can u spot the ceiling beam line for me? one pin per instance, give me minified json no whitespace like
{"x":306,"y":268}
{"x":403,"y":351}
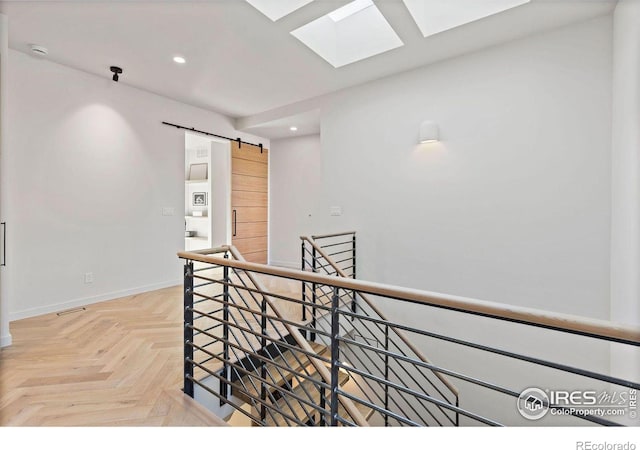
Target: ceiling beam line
{"x":400,"y":20}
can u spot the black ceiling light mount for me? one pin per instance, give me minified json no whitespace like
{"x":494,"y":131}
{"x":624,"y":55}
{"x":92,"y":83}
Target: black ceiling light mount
{"x":116,"y":72}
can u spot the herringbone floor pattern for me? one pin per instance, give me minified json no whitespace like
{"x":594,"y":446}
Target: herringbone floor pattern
{"x":118,"y":363}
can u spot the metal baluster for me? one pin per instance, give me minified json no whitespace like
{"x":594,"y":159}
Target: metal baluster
{"x":353,"y":304}
{"x":188,"y":331}
{"x":323,"y":419}
{"x":263,"y":366}
{"x":335,"y":355}
{"x":224,"y":387}
{"x":314,"y":294}
{"x":304,"y":285}
{"x":386,"y":374}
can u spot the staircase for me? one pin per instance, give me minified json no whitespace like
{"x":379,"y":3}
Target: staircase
{"x":293,"y":395}
{"x":263,"y":345}
{"x":276,"y":347}
{"x":291,"y":402}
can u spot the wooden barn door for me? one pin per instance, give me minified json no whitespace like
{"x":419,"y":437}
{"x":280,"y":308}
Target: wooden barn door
{"x":249,"y":201}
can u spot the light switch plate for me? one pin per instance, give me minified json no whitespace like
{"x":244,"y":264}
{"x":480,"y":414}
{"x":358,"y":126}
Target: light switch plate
{"x":336,"y":211}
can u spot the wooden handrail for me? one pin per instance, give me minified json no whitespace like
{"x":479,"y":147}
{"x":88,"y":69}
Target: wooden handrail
{"x":563,"y":322}
{"x":355,"y":414}
{"x":323,"y":236}
{"x":445,"y":380}
{"x":212,"y":251}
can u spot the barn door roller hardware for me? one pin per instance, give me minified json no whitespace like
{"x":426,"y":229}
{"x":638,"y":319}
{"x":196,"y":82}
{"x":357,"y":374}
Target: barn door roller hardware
{"x":238,"y":140}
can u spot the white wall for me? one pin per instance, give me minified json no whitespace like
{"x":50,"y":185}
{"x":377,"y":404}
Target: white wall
{"x":5,"y":336}
{"x":625,"y":232}
{"x":295,"y":172}
{"x":89,"y":169}
{"x":513,"y":205}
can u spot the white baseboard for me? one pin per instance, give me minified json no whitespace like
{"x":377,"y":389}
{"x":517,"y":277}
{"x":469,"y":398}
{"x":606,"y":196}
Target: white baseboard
{"x":32,"y":312}
{"x":286,"y":264}
{"x":5,"y":341}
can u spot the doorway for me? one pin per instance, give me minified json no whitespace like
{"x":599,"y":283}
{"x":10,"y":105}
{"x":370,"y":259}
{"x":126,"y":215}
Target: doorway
{"x":207,"y":192}
{"x":250,"y":201}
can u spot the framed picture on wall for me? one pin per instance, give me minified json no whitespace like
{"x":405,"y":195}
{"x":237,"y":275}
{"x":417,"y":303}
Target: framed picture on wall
{"x":198,"y":171}
{"x":199,"y":199}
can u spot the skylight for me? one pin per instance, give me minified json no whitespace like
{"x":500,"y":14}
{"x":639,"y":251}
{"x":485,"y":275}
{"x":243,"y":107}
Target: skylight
{"x":276,"y":9}
{"x":436,"y":16}
{"x":350,"y":9}
{"x":351,"y":33}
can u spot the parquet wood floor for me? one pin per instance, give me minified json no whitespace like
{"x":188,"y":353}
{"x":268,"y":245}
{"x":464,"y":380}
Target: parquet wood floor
{"x":118,"y":363}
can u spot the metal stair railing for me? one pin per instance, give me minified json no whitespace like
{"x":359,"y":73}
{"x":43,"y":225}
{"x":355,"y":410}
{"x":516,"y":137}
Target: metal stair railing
{"x":318,"y":253}
{"x":251,"y":334}
{"x":387,"y":384}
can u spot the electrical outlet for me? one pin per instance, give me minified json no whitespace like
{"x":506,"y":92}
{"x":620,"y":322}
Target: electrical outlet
{"x":88,"y":277}
{"x":335,"y":211}
{"x":168,"y":211}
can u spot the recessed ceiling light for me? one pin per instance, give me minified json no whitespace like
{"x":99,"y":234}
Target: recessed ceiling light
{"x":293,"y":128}
{"x":179,"y":59}
{"x":349,"y":9}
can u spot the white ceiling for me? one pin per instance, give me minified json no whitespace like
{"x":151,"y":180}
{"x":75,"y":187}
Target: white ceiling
{"x":436,"y":16}
{"x":241,"y":63}
{"x":306,"y":122}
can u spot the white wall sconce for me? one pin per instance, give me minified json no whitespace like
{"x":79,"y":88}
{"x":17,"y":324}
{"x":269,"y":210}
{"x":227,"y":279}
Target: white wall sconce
{"x":429,"y":132}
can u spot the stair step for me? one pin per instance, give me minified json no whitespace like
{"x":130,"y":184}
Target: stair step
{"x":363,"y":409}
{"x":295,"y":408}
{"x":295,"y":361}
